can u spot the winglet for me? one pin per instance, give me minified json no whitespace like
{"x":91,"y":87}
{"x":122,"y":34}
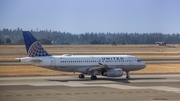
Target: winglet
{"x":33,"y":47}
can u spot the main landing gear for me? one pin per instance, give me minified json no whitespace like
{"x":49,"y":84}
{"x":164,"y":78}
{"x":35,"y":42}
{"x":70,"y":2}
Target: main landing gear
{"x":81,"y":76}
{"x":93,"y":77}
{"x":127,"y":75}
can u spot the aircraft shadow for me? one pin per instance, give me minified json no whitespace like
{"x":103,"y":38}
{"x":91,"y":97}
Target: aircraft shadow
{"x":120,"y":80}
{"x":147,"y":78}
{"x":99,"y":79}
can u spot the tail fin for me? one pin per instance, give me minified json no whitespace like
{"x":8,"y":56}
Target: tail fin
{"x":33,"y":47}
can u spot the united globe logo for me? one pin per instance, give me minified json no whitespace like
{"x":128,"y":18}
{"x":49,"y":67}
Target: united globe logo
{"x":36,"y":50}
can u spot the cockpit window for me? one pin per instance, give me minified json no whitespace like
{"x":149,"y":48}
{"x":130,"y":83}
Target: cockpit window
{"x":138,"y":60}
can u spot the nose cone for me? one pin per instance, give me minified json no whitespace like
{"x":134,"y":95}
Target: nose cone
{"x":143,"y":64}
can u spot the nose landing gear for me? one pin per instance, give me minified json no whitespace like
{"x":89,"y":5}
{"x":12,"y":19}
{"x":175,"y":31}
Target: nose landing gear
{"x":127,"y":75}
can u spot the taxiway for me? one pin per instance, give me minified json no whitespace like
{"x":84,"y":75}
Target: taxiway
{"x":70,"y":88}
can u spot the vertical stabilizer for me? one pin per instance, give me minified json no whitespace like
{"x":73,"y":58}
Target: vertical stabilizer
{"x":33,"y":47}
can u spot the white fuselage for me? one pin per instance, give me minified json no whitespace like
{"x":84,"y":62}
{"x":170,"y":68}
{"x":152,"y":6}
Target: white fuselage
{"x":79,"y":63}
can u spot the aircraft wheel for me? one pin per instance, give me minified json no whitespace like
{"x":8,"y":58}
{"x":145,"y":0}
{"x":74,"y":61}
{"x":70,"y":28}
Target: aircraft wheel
{"x":93,"y":77}
{"x":127,"y":77}
{"x":81,"y":76}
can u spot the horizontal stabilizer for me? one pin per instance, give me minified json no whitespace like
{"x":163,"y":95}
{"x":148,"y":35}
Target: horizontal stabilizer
{"x":35,"y":60}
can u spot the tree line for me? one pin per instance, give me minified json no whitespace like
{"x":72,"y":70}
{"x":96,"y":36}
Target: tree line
{"x":9,"y":36}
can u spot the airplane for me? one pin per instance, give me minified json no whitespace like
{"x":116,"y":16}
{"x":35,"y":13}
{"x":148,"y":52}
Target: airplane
{"x":105,"y":65}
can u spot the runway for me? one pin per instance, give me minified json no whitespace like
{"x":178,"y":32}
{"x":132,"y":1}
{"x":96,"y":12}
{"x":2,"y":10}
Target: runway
{"x":71,"y":88}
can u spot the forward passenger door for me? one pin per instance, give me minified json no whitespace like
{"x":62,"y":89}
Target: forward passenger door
{"x":131,"y":61}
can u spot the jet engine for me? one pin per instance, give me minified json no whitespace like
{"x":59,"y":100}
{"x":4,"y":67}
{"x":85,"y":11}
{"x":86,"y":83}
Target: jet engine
{"x":113,"y":72}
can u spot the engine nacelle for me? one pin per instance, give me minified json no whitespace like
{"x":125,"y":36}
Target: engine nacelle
{"x":114,"y":72}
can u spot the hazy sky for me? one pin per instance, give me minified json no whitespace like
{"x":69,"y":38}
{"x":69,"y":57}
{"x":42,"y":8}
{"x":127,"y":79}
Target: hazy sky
{"x":80,"y":16}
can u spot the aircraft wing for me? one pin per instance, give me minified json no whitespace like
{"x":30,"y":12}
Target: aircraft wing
{"x":101,"y":66}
